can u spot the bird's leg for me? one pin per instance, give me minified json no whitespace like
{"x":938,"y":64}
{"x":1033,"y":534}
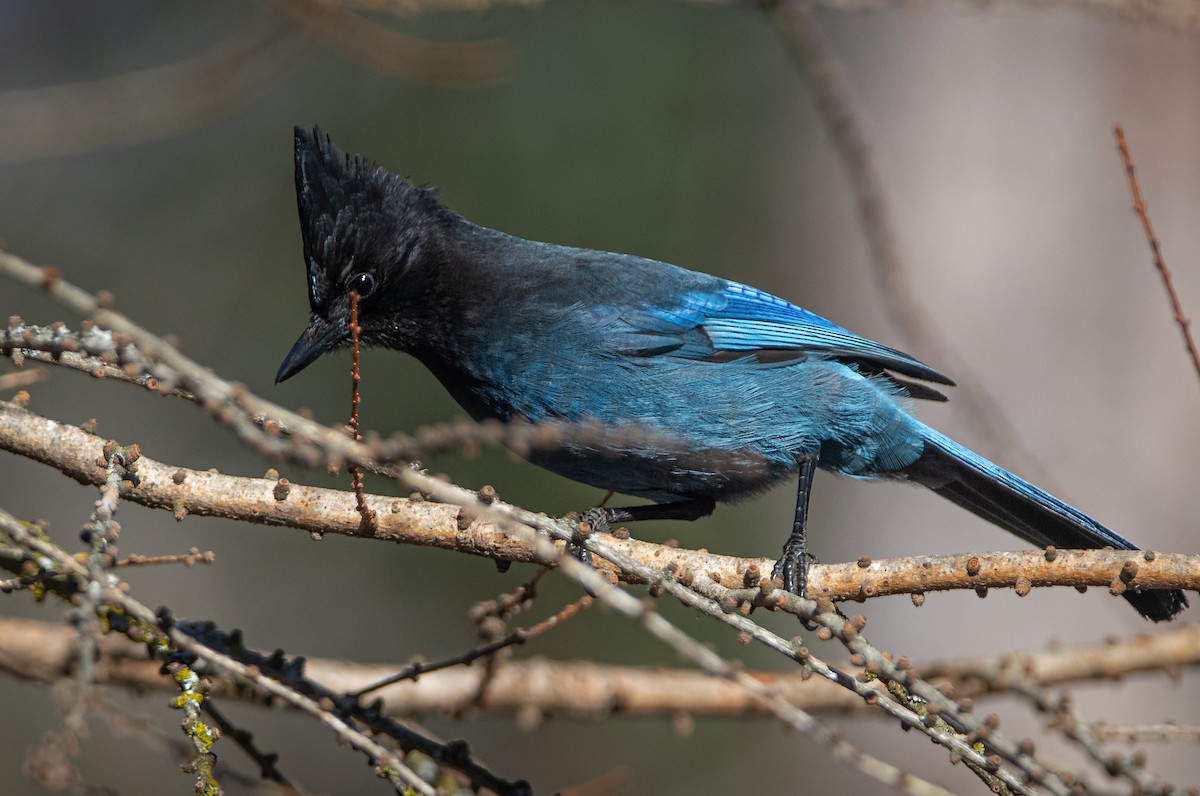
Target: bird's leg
{"x":601,"y":519}
{"x":792,"y":567}
{"x":682,"y":510}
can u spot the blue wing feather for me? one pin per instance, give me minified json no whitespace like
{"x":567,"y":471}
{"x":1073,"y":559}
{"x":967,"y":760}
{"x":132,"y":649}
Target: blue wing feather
{"x":739,"y":320}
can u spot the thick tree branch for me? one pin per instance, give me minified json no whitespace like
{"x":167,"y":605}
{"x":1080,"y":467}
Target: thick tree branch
{"x":536,"y":687}
{"x":274,"y":501}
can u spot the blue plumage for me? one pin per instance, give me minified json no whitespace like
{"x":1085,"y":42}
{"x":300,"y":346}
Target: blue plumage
{"x":671,"y":385}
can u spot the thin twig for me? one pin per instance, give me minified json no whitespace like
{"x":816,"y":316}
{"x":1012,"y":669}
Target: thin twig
{"x":1074,"y":727}
{"x":190,"y":558}
{"x":516,"y":638}
{"x":847,"y":128}
{"x":266,"y":761}
{"x":1179,"y":16}
{"x":23,"y":378}
{"x":72,"y":118}
{"x":1139,"y":207}
{"x":112,"y":594}
{"x":369,"y":519}
{"x":398,"y":54}
{"x":1142,"y":733}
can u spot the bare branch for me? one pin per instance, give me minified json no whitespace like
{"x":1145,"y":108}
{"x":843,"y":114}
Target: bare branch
{"x":1160,"y":264}
{"x":111,"y":594}
{"x":397,"y":54}
{"x":847,"y":128}
{"x":73,"y":118}
{"x":1182,"y":16}
{"x":278,"y":501}
{"x":536,"y":687}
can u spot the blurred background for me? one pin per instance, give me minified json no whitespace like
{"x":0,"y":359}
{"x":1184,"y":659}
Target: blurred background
{"x":672,"y":130}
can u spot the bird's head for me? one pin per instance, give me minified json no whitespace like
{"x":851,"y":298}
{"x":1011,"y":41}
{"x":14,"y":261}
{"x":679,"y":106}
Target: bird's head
{"x":365,"y":230}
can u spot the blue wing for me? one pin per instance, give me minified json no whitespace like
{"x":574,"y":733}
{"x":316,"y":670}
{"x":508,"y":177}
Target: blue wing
{"x":738,"y":322}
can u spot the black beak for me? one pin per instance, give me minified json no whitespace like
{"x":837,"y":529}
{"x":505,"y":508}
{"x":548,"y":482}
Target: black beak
{"x":320,"y":336}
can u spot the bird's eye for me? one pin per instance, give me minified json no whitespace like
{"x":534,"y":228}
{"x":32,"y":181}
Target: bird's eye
{"x":361,"y":283}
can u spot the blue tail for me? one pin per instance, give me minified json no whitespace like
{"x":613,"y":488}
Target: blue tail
{"x":971,"y":481}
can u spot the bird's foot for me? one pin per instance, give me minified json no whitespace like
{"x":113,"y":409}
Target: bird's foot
{"x":792,"y":569}
{"x":594,"y":520}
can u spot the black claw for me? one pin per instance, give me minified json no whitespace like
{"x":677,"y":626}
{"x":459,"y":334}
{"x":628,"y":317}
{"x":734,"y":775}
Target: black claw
{"x":792,"y":569}
{"x":580,"y":553}
{"x":597,"y":520}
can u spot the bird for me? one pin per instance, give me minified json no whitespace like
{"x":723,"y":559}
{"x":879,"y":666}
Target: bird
{"x":689,"y":389}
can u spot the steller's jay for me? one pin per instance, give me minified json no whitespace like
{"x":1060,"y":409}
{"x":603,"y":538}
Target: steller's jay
{"x":717,"y":390}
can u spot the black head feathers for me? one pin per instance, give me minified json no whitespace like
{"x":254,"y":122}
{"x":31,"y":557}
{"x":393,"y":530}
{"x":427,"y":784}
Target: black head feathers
{"x":355,"y":216}
{"x":364,"y":230}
